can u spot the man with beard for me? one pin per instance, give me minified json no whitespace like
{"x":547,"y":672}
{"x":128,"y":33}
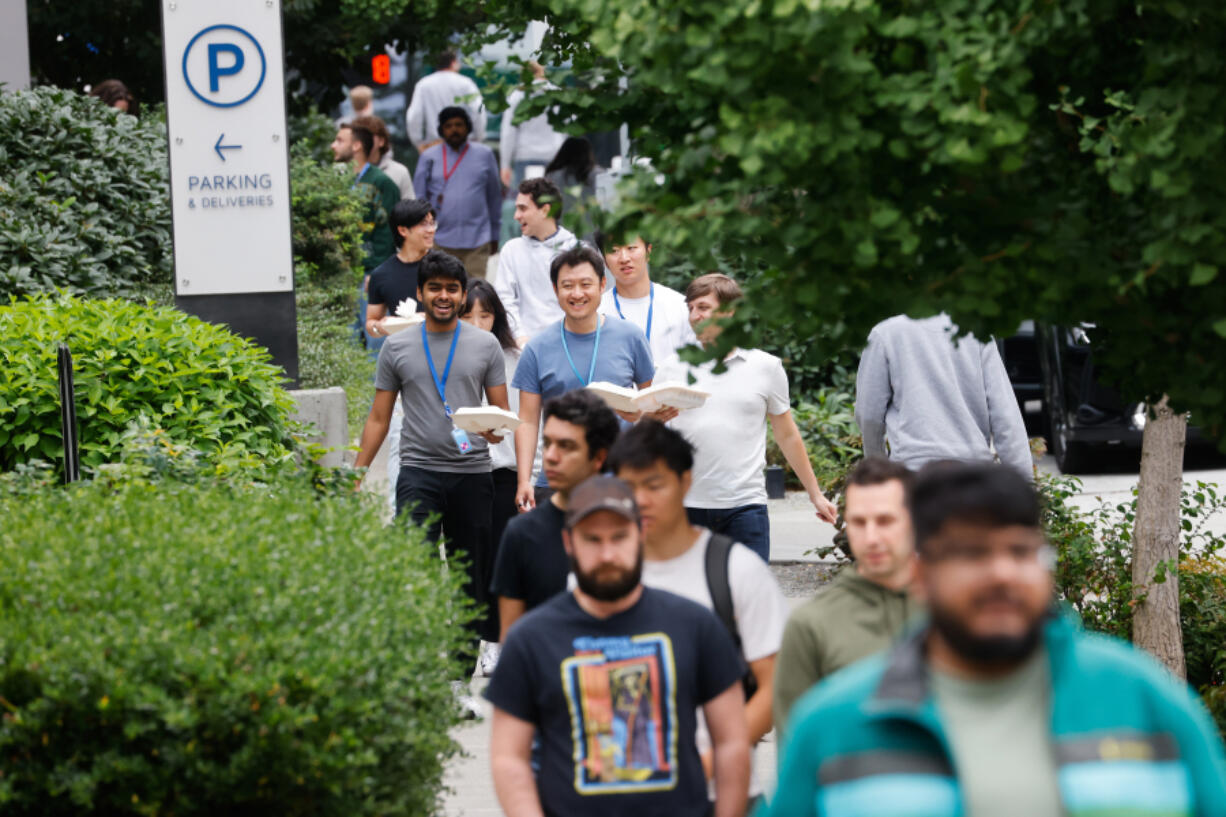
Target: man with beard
{"x":864,"y":609}
{"x":1001,"y":706}
{"x":438,"y":367}
{"x":460,"y":178}
{"x":610,"y":677}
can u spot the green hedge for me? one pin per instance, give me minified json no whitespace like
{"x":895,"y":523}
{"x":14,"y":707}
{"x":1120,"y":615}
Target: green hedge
{"x":200,"y":650}
{"x":201,"y":384}
{"x":84,"y":196}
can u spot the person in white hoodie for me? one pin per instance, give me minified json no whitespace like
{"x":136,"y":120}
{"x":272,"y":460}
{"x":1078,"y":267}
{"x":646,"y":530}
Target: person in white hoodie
{"x":533,"y":141}
{"x":523,"y":281}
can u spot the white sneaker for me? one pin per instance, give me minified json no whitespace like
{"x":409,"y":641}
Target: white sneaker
{"x":470,"y":707}
{"x":488,"y":661}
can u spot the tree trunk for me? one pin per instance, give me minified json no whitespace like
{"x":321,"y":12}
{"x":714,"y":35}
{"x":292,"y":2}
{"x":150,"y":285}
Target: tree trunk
{"x":1155,"y":621}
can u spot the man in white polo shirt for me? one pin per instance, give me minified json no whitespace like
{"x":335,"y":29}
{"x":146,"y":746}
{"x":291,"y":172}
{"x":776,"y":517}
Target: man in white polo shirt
{"x":728,"y":432}
{"x":660,"y":312}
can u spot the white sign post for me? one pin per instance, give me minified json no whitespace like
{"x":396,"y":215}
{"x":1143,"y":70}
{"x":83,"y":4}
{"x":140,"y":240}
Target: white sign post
{"x":229,"y":166}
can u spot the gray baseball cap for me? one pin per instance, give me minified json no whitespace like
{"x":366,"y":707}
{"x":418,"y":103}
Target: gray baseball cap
{"x":601,"y":493}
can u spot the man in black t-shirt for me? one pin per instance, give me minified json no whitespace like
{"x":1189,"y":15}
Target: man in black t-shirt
{"x":395,"y":280}
{"x":610,"y":678}
{"x":531,"y":566}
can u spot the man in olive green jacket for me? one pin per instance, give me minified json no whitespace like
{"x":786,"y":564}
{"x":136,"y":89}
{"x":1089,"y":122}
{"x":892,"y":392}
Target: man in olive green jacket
{"x":864,"y":609}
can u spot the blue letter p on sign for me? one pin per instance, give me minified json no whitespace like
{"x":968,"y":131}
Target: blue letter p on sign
{"x":216,"y":71}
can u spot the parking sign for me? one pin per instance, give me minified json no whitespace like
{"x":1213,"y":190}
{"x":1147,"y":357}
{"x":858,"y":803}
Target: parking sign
{"x":229,"y":165}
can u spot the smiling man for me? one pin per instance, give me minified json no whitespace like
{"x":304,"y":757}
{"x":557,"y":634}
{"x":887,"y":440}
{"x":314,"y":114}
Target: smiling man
{"x":569,"y":354}
{"x":1001,"y":706}
{"x":523,"y":282}
{"x":864,"y":609}
{"x":660,"y":312}
{"x":436,"y":369}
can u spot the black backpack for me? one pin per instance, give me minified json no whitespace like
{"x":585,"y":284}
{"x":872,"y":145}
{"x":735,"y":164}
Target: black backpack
{"x":718,"y":551}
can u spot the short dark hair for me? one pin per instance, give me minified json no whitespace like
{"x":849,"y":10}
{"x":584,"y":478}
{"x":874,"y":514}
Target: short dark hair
{"x":408,"y":213}
{"x":363,"y":135}
{"x":377,"y":128}
{"x":581,"y":253}
{"x":444,"y":59}
{"x":976,"y":492}
{"x":544,"y":193}
{"x":454,"y":112}
{"x":649,"y":442}
{"x":585,"y":409}
{"x":438,"y":264}
{"x":879,"y":470}
{"x":605,"y":242}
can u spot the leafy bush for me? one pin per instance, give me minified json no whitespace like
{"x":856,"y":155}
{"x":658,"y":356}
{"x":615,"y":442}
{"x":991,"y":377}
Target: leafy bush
{"x":327,"y":223}
{"x":310,"y":135}
{"x":328,"y":355}
{"x":1094,"y":574}
{"x":84,"y":197}
{"x":204,"y":650}
{"x":204,"y":386}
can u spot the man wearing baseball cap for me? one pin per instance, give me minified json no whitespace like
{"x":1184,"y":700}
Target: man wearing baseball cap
{"x":610,"y":678}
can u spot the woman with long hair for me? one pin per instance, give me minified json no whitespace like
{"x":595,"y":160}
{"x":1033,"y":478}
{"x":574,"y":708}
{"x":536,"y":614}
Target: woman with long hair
{"x":484,"y":310}
{"x":574,"y":171}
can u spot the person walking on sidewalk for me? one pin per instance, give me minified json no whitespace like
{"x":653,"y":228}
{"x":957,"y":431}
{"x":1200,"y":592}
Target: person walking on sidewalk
{"x":444,"y":479}
{"x":936,"y":396}
{"x":655,"y":462}
{"x":569,"y":354}
{"x":523,"y":281}
{"x":1001,"y":705}
{"x":444,"y":88}
{"x":460,"y":178}
{"x":610,"y":679}
{"x":654,"y":308}
{"x":728,"y":494}
{"x":864,"y":609}
{"x":532,"y":567}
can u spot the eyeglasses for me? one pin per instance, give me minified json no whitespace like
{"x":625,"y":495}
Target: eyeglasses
{"x":1021,"y":554}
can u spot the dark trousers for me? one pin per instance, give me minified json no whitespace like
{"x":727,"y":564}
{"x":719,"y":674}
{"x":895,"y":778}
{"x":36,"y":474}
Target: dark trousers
{"x":505,"y":483}
{"x":461,"y":505}
{"x":749,"y":524}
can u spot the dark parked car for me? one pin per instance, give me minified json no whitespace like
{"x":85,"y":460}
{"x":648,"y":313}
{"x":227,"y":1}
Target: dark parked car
{"x":1052,"y":371}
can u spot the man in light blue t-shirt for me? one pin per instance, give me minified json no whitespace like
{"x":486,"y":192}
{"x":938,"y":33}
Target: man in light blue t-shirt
{"x":581,"y":348}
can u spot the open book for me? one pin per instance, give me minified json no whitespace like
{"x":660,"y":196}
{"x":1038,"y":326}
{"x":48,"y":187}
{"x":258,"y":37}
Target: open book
{"x":672,"y":395}
{"x":395,"y":323}
{"x":476,"y":419}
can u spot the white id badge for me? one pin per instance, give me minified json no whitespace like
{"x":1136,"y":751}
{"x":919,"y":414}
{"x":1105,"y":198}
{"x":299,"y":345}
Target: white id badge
{"x":461,"y":440}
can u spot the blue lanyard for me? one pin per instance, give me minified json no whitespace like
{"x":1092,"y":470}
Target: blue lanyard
{"x":651,"y":307}
{"x":441,"y":385}
{"x":361,"y":173}
{"x":591,"y":372}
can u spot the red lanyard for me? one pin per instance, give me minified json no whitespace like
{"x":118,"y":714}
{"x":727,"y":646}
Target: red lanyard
{"x":447,"y":174}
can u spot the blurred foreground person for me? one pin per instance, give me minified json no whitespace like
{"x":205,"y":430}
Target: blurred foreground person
{"x":610,"y":678}
{"x":1000,"y":706}
{"x":865,"y":608}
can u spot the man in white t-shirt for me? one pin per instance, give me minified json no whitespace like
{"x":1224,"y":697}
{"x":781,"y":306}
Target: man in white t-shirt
{"x":656,"y":462}
{"x":729,"y":431}
{"x":434,"y":92}
{"x":523,"y":283}
{"x":660,"y":312}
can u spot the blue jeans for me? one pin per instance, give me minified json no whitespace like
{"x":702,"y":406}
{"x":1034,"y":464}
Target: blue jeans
{"x":749,"y":524}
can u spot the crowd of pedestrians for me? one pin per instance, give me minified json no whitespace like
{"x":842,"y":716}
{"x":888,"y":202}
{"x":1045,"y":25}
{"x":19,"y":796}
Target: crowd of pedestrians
{"x":638,"y":644}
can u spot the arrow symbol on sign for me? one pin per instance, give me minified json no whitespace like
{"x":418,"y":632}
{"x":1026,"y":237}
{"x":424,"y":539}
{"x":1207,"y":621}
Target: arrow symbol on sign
{"x":219,"y":147}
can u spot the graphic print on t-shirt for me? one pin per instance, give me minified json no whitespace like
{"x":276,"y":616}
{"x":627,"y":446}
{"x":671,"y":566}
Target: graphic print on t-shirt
{"x":622,"y":700}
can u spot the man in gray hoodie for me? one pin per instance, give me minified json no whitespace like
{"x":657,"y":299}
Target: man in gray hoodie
{"x":937,"y":397}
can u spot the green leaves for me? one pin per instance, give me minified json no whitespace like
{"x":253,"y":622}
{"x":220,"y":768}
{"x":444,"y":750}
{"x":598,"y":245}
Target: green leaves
{"x":168,"y":649}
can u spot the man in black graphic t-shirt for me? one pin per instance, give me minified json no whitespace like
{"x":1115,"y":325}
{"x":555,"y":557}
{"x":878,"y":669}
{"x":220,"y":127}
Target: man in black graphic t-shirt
{"x":610,"y":677}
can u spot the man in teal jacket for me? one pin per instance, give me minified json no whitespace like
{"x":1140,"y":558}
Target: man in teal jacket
{"x":999,"y":706}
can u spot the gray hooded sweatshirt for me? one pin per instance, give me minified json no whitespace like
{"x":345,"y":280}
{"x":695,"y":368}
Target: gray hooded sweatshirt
{"x":934,"y":399}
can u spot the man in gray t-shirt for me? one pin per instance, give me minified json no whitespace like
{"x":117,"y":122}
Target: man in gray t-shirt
{"x":438,"y":367}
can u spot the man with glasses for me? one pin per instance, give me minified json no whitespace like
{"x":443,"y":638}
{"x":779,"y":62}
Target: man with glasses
{"x":1000,"y":706}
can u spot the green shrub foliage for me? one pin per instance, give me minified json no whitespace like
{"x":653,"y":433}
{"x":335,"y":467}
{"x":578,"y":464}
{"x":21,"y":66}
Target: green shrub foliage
{"x":84,"y":196}
{"x":203,"y":650}
{"x":203,"y":385}
{"x":328,"y":355}
{"x":327,"y":222}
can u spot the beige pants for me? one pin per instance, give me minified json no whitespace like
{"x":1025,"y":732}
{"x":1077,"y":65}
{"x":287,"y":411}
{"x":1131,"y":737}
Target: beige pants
{"x":475,"y":260}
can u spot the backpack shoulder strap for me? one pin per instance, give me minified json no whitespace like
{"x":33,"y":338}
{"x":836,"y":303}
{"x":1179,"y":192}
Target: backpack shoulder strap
{"x":719,"y":549}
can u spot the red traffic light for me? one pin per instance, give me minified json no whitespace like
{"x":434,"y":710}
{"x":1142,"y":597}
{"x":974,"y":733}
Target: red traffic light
{"x":381,"y":69}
